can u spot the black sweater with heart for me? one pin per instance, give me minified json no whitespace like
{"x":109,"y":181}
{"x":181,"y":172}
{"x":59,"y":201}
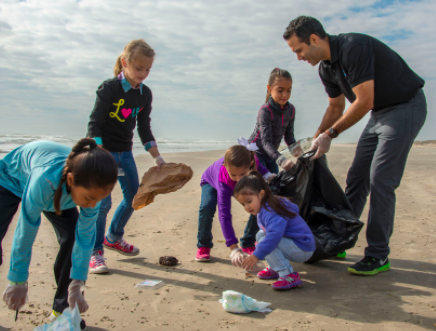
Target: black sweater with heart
{"x":116,"y":113}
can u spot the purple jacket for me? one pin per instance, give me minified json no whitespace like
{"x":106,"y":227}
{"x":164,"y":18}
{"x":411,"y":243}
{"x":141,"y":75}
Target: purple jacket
{"x":218,"y":177}
{"x":276,"y":227}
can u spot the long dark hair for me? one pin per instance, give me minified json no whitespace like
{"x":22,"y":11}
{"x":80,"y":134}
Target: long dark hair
{"x":91,"y":166}
{"x":239,"y":156}
{"x":273,"y":76}
{"x":252,"y":184}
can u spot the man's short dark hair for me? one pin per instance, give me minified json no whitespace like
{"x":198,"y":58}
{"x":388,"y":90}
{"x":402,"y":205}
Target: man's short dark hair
{"x":303,"y":27}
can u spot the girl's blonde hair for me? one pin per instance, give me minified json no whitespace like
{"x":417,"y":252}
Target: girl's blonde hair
{"x":131,"y":50}
{"x":238,"y":156}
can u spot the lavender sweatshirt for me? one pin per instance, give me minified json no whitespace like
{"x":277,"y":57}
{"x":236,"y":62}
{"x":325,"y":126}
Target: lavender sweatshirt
{"x":218,"y":177}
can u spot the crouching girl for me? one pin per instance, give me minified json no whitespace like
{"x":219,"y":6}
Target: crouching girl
{"x":283,"y":234}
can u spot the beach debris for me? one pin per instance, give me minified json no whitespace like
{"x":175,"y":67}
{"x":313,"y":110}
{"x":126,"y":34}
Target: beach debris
{"x":150,"y":284}
{"x":170,"y":178}
{"x":238,"y":303}
{"x":68,"y":321}
{"x":168,"y":261}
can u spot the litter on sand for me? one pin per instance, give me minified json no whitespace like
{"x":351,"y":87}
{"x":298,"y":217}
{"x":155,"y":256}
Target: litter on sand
{"x":68,"y":321}
{"x":238,"y":303}
{"x":150,"y":283}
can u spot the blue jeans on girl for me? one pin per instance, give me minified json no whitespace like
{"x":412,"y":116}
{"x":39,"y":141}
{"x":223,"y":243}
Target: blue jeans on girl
{"x":129,"y":181}
{"x":251,"y":228}
{"x":205,"y":216}
{"x":278,"y":259}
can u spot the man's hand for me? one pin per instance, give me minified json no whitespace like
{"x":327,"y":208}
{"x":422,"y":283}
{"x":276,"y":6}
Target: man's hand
{"x":322,"y":143}
{"x":249,"y":262}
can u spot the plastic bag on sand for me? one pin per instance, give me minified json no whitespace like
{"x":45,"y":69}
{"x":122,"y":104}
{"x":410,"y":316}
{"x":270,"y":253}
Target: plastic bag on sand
{"x":68,"y":321}
{"x":238,"y":303}
{"x":170,"y":178}
{"x":322,"y":203}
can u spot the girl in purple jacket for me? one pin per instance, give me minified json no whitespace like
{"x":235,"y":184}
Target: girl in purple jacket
{"x":217,"y":184}
{"x":283,"y":236}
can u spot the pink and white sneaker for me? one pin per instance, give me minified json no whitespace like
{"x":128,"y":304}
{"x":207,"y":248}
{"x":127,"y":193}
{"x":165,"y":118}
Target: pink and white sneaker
{"x":203,"y":254}
{"x":248,"y":250}
{"x":121,"y":247}
{"x":97,"y":265}
{"x":268,"y":274}
{"x":287,"y":282}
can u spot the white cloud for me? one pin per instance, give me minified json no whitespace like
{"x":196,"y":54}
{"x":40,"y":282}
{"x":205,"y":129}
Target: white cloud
{"x":212,"y":65}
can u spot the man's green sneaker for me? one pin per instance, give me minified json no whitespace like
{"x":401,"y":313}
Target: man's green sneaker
{"x":341,"y":255}
{"x":369,"y":266}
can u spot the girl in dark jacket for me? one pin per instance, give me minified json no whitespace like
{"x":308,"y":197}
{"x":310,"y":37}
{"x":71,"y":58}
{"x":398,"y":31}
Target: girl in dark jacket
{"x":275,"y":120}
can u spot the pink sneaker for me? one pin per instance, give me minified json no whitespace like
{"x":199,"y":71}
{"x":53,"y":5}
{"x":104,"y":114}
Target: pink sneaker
{"x":97,"y":265}
{"x":121,"y":247}
{"x":287,"y":282}
{"x":203,"y":254}
{"x":248,"y":250}
{"x":268,"y":274}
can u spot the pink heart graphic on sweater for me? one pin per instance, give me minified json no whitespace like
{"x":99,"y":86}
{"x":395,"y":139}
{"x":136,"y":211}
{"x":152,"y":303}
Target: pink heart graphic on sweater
{"x":126,"y":112}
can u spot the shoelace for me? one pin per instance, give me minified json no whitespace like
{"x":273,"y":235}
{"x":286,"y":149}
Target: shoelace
{"x":124,"y":244}
{"x":99,"y":260}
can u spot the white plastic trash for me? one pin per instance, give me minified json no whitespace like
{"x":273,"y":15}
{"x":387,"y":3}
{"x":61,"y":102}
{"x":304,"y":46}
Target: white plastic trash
{"x":238,"y":303}
{"x":68,"y":321}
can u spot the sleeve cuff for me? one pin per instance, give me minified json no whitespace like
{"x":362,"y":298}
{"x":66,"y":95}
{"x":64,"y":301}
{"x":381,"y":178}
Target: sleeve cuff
{"x":149,"y":145}
{"x":98,"y":140}
{"x":18,"y":277}
{"x":79,"y":273}
{"x":231,"y":242}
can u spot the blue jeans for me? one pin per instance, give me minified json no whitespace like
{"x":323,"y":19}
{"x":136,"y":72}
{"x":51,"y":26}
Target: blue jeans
{"x":266,"y":161}
{"x":251,"y":228}
{"x":205,"y":216}
{"x":278,"y":259}
{"x":129,"y":181}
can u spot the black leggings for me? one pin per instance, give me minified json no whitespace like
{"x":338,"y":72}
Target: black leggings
{"x":64,"y":226}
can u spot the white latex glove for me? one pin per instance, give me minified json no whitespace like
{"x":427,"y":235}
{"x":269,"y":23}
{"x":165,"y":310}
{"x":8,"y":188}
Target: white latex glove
{"x":270,"y":178}
{"x":323,"y":143}
{"x":15,"y":296}
{"x":75,"y":295}
{"x":237,"y":257}
{"x":159,"y":161}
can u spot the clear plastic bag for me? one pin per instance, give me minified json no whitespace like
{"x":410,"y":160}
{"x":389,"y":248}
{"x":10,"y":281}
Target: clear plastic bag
{"x":68,"y":321}
{"x":297,"y":149}
{"x":238,"y":303}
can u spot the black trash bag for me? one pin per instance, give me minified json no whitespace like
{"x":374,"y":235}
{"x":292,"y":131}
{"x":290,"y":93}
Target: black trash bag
{"x":323,"y":205}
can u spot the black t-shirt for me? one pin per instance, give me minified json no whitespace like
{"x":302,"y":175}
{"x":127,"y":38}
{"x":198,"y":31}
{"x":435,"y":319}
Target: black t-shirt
{"x":116,"y":113}
{"x":357,"y":58}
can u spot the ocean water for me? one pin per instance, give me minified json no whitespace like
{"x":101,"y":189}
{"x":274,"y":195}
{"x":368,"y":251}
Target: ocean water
{"x":10,"y":142}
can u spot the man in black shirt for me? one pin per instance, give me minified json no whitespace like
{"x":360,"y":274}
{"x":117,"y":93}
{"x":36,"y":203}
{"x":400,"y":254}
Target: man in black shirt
{"x":372,"y":77}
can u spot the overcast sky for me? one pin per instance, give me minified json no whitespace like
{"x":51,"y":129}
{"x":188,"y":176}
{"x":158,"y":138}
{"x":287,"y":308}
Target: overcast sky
{"x":213,"y":59}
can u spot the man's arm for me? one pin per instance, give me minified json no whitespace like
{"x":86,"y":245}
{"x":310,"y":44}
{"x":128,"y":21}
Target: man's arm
{"x":359,"y":108}
{"x":334,"y":111}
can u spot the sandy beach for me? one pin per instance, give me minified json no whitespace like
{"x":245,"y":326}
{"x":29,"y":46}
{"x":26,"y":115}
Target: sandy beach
{"x":403,"y":298}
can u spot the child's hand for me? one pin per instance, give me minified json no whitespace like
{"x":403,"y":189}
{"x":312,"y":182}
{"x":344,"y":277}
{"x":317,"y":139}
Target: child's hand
{"x":271,"y":177}
{"x":249,"y":262}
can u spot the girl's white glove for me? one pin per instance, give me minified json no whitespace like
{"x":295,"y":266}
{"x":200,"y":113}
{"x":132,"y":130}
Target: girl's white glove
{"x":322,"y":143}
{"x":237,"y":257}
{"x":75,"y":295}
{"x":15,"y":295}
{"x":159,"y":161}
